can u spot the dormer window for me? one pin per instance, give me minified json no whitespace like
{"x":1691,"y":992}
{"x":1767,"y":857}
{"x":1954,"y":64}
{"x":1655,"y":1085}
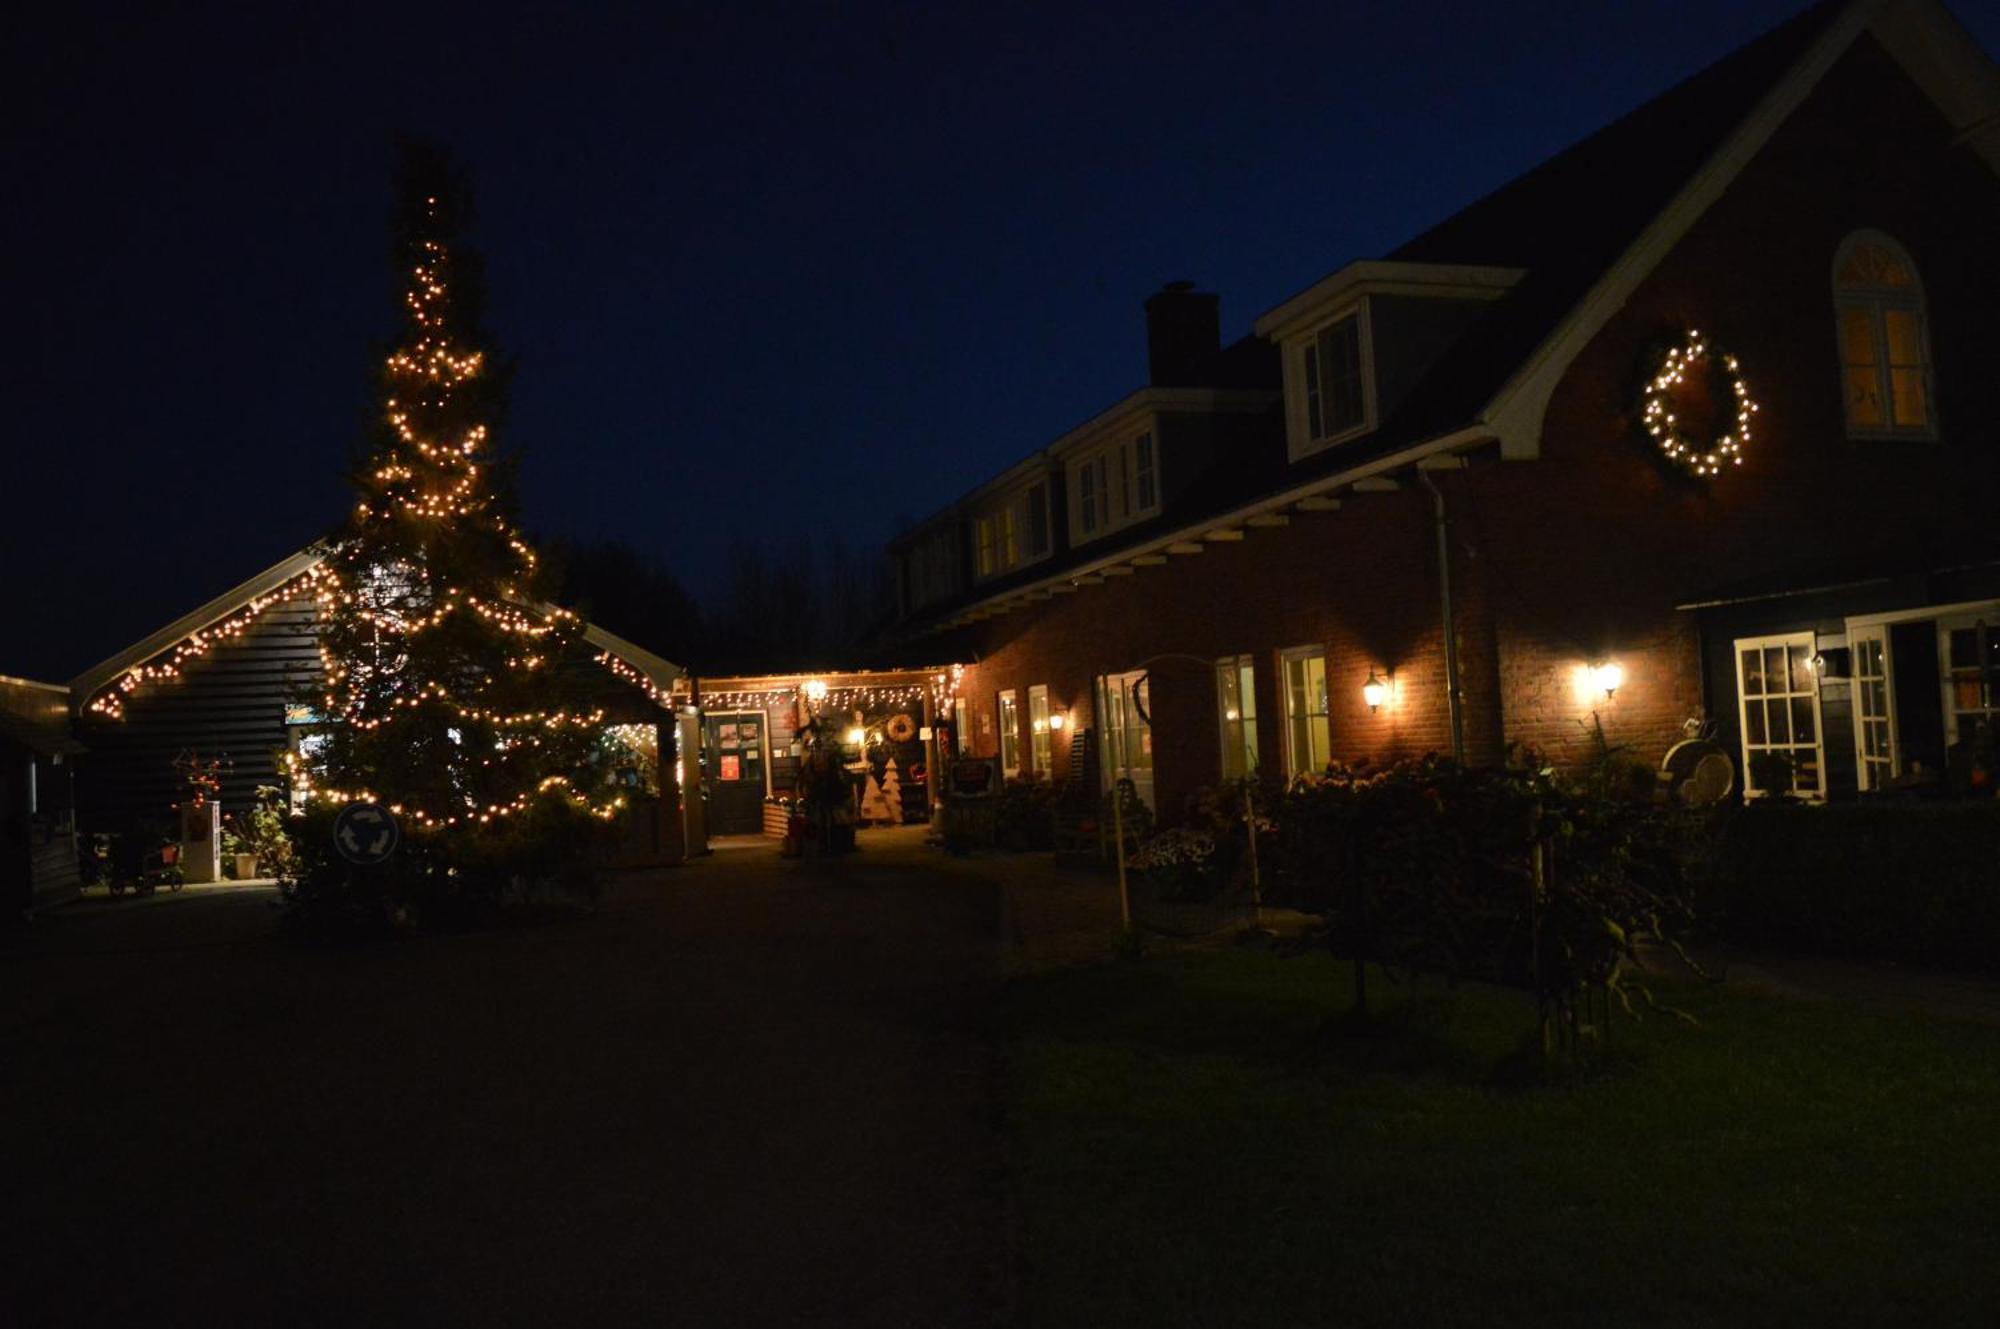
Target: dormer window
{"x":1012,"y":532}
{"x":1114,"y":486}
{"x":1329,"y":379}
{"x":1884,"y":343}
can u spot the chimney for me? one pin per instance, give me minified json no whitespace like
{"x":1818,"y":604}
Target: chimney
{"x":1183,"y":328}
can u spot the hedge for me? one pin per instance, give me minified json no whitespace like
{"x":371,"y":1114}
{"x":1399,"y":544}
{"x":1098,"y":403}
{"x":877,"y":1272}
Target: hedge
{"x":1916,"y":882}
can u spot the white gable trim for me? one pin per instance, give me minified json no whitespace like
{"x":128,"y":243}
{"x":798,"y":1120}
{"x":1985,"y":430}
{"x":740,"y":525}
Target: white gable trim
{"x":91,"y":681}
{"x":1921,"y":35}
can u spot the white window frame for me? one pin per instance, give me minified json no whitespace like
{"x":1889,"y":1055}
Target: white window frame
{"x":1010,"y":732}
{"x":1285,"y":658}
{"x":1867,"y":779}
{"x":1298,"y":434}
{"x":1959,"y":613}
{"x":1242,"y":742}
{"x":1946,"y":624}
{"x":1104,"y":488}
{"x":1041,"y":739}
{"x":1787,"y":640}
{"x":1876,"y":302}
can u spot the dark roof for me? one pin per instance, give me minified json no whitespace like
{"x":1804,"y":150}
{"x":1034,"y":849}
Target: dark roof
{"x":1569,"y":219}
{"x":1565,"y":222}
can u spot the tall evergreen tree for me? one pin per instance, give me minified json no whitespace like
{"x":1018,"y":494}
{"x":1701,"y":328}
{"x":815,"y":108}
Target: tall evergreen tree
{"x":453,"y":693}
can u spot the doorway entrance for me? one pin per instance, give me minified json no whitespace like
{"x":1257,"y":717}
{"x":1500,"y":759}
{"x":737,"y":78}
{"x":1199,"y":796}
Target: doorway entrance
{"x":736,"y":771}
{"x":1125,"y":702}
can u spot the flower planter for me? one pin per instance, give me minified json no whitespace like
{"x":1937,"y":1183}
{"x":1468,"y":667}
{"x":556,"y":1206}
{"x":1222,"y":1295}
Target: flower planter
{"x":246,"y":866}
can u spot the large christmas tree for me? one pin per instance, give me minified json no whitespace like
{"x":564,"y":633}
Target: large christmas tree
{"x":453,"y":693}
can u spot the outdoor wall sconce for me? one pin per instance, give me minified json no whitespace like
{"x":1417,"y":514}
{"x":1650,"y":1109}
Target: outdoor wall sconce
{"x":1374,"y":691}
{"x":1607,"y":677}
{"x":857,"y":736}
{"x":1057,"y":720}
{"x":815,"y":690}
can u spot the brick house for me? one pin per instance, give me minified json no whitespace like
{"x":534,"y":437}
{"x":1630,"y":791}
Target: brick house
{"x":1424,"y":506}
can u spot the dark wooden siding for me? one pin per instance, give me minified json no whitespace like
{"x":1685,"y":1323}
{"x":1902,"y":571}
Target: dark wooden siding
{"x":227,"y":704}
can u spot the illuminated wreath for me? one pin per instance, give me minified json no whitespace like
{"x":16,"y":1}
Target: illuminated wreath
{"x":901,"y":728}
{"x":1675,"y":365}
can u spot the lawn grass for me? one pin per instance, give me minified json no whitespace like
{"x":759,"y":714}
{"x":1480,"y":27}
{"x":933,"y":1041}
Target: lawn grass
{"x":1191,"y":1148}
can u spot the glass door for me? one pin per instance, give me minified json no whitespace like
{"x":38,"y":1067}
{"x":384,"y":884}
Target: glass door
{"x":1874,"y":716}
{"x":1125,"y":702}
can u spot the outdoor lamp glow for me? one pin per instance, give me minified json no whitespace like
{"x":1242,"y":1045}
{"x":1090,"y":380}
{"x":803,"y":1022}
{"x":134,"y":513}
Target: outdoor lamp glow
{"x":1374,"y":691}
{"x":1056,"y":720}
{"x":815,"y":689}
{"x":857,"y":736}
{"x":1609,"y":676}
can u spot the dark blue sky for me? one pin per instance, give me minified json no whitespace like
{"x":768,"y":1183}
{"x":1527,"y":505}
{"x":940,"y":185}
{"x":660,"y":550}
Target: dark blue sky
{"x":764,"y":270}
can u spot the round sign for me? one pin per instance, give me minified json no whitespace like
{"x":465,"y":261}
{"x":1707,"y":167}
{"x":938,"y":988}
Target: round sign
{"x":365,"y":833}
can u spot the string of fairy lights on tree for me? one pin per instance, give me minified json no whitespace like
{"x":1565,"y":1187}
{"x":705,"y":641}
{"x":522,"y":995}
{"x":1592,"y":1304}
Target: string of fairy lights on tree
{"x":440,"y":681}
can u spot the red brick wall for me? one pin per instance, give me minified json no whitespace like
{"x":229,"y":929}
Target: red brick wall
{"x":1581,"y":555}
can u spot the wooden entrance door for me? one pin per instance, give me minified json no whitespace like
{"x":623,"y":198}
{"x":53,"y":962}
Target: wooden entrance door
{"x":735,"y":742}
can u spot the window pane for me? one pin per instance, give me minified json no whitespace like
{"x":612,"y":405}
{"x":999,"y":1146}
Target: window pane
{"x":1805,"y":771}
{"x":1964,"y":648}
{"x":1802,"y":670}
{"x":1753,"y":721}
{"x":1753,"y":673}
{"x":1779,"y":721}
{"x":1906,"y":387}
{"x":1899,"y":327}
{"x":1864,"y":397}
{"x":1143,"y":459}
{"x":1802,"y":720}
{"x":1246,"y":688}
{"x":1774,"y":669}
{"x":1857,"y":335}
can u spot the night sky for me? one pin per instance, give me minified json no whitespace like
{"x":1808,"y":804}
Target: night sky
{"x":763,"y":270}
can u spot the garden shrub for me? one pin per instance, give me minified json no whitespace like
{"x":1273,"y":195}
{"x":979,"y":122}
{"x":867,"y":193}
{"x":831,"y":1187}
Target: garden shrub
{"x":1024,"y":815}
{"x":1506,"y":875}
{"x":1904,"y":881}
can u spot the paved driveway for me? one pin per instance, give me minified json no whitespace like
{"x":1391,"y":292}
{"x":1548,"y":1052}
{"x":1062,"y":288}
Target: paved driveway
{"x":741,"y":1093}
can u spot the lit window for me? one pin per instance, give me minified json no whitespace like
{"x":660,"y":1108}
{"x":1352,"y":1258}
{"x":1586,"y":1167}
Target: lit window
{"x":1972,"y":675}
{"x":1308,"y":731}
{"x":1778,"y":706}
{"x":1236,"y":714}
{"x":988,"y":562}
{"x":1039,"y":737}
{"x":1884,"y":340}
{"x":1010,"y":735}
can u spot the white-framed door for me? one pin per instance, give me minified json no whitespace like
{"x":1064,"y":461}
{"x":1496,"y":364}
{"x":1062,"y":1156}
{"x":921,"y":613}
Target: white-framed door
{"x":1778,"y":714}
{"x":1124,"y":703}
{"x":1877,"y":756}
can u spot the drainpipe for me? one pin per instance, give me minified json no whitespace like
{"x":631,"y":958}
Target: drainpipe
{"x":1452,"y":692}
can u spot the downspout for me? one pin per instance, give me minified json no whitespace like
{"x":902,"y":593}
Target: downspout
{"x":1451,"y":682}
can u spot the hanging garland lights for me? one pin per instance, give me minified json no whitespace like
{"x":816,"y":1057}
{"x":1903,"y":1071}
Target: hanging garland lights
{"x":168,"y":666}
{"x":1694,"y":356}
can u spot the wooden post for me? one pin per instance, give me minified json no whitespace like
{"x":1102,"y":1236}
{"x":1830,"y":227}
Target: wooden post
{"x":1256,"y":877}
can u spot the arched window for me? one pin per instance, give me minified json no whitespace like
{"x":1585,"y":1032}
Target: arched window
{"x":1885,"y":362}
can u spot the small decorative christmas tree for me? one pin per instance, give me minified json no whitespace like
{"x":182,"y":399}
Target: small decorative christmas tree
{"x":892,"y":791}
{"x":450,"y":689}
{"x":874,"y":806}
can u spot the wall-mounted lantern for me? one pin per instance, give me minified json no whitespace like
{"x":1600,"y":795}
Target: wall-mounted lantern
{"x":1057,"y":720}
{"x":1607,"y":677}
{"x":1375,"y":691}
